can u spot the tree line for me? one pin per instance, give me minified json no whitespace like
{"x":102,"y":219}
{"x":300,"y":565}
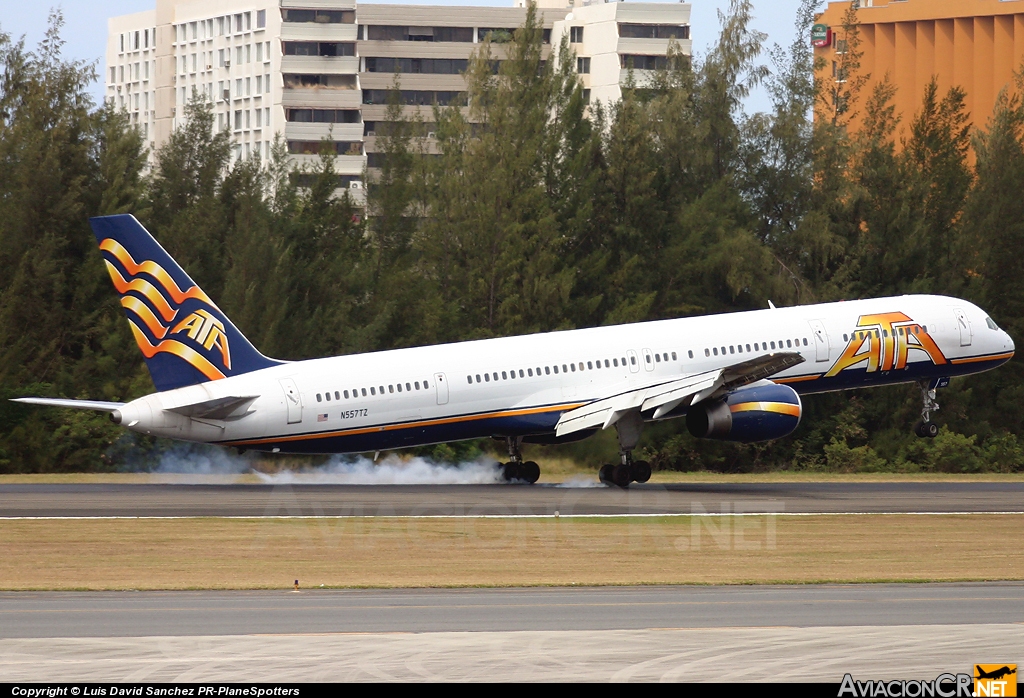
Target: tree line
{"x":533,"y":211}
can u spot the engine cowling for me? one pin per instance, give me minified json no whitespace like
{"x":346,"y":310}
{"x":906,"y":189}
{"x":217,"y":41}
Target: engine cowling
{"x":755,"y":413}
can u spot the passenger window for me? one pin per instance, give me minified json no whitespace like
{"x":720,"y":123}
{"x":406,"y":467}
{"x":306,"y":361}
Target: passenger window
{"x":674,"y":355}
{"x":647,"y":358}
{"x":425,"y":385}
{"x":487,"y":377}
{"x":773,"y":345}
{"x":590,"y":365}
{"x":318,"y":398}
{"x":845,"y":338}
{"x":632,"y":360}
{"x":364,"y":392}
{"x":606,"y":364}
{"x":327,"y":395}
{"x":346,"y":395}
{"x":689,"y":353}
{"x":730,"y":350}
{"x":564,"y":369}
{"x":407,"y":388}
{"x":504,"y":375}
{"x":337,"y":395}
{"x":925,"y":328}
{"x":789,"y":344}
{"x":707,"y":352}
{"x":615,"y":361}
{"x":748,"y":347}
{"x":495,"y":374}
{"x":373,"y":391}
{"x":530,"y":371}
{"x":547,"y":370}
{"x":805,"y":341}
{"x":417,"y":383}
{"x":716,"y":351}
{"x":469,"y":379}
{"x":573,"y":367}
{"x":399,"y":387}
{"x":556,"y":369}
{"x":478,"y":378}
{"x":657,"y":358}
{"x":581,"y":365}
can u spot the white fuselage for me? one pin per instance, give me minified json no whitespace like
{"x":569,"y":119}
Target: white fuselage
{"x":518,"y":386}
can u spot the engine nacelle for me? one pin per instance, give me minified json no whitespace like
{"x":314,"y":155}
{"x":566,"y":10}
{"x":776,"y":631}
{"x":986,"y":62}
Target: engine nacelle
{"x":755,"y":413}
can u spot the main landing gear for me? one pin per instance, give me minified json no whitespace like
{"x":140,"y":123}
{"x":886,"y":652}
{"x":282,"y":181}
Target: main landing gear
{"x":516,"y":468}
{"x":926,"y":427}
{"x":628,"y":470}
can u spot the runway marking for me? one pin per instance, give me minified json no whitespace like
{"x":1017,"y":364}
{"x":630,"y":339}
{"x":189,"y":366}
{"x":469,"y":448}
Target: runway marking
{"x":419,"y":607}
{"x":517,"y":516}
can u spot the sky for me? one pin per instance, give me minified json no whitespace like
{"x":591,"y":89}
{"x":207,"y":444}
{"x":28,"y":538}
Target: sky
{"x":85,"y":29}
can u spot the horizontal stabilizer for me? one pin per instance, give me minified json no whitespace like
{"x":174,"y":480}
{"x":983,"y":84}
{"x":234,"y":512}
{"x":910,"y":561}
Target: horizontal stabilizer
{"x":218,"y":408}
{"x":97,"y":405}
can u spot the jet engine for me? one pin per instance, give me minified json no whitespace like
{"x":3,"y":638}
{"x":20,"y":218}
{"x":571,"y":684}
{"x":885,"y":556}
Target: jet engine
{"x":755,"y":413}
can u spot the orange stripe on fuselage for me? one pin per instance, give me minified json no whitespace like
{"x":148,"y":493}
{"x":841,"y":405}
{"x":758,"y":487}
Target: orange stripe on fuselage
{"x":989,"y":357}
{"x":777,"y":407}
{"x":155,"y":270}
{"x":409,"y":425}
{"x":797,"y":379}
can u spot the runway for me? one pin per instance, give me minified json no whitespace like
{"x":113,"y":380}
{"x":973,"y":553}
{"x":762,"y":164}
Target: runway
{"x":101,"y":500}
{"x":810,"y":633}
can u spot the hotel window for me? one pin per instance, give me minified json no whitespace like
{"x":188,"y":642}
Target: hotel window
{"x":261,"y":19}
{"x":583,"y":65}
{"x":575,"y":35}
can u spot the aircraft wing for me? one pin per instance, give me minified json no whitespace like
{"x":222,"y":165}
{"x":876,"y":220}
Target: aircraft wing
{"x":97,"y":405}
{"x":665,"y":397}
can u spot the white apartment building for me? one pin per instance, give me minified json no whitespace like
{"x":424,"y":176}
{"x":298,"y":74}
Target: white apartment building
{"x":314,"y":69}
{"x":609,"y":38}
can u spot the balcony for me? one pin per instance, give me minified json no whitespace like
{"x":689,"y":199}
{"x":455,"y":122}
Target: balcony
{"x":315,"y":65}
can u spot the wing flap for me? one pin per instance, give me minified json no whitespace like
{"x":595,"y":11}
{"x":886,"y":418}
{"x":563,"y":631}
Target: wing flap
{"x":666,"y":397}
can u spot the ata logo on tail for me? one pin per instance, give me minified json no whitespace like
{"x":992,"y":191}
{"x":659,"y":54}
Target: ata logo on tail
{"x":883,"y":341}
{"x":153,"y":305}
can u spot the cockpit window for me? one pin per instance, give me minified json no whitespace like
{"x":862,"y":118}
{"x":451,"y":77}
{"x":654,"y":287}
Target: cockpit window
{"x":991,"y":323}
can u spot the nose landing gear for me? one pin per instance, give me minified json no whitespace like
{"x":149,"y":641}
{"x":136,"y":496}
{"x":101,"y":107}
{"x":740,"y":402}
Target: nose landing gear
{"x":628,"y":470}
{"x":926,"y":427}
{"x":516,"y":468}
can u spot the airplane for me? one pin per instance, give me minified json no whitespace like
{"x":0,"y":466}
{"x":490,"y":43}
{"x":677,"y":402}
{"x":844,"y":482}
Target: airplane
{"x":995,"y":674}
{"x":734,"y":376}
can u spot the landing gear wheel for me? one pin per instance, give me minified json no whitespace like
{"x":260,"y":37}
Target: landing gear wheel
{"x":927,"y":429}
{"x":605,"y":474}
{"x":640,"y":471}
{"x":530,"y":471}
{"x":512,"y":471}
{"x":620,"y":476}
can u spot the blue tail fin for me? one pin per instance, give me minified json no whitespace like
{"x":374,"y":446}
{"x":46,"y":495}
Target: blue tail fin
{"x":184,"y":336}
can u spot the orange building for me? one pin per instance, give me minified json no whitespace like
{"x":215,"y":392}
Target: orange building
{"x":976,"y":44}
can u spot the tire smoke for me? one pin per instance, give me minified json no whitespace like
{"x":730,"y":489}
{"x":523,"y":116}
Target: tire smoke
{"x":391,"y":470}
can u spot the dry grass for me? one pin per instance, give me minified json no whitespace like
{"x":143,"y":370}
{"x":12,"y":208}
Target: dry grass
{"x":394,"y":552}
